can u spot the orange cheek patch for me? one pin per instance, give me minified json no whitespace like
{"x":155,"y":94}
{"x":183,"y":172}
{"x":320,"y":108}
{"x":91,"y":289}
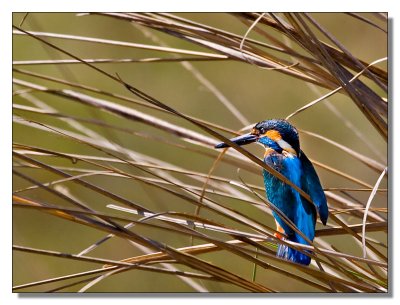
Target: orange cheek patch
{"x":274,"y":135}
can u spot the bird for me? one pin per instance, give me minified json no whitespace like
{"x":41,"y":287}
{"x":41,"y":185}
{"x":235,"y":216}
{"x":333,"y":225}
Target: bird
{"x":282,"y":152}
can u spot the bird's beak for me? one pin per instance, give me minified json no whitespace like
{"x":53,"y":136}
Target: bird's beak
{"x":240,"y":140}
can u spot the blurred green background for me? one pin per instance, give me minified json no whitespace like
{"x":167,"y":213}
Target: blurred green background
{"x":258,"y":94}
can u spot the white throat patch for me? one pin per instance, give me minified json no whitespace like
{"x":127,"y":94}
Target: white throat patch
{"x":286,"y":146}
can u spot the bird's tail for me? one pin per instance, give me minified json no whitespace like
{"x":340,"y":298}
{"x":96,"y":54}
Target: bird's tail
{"x":293,"y":255}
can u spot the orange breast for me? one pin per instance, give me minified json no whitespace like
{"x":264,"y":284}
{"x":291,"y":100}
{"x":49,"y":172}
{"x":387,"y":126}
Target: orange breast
{"x":281,"y":232}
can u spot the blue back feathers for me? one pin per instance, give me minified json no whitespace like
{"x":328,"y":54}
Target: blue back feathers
{"x":312,"y":186}
{"x":302,"y":213}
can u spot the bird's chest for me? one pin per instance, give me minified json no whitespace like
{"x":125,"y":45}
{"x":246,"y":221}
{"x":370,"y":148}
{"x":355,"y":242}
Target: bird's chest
{"x":287,"y":165}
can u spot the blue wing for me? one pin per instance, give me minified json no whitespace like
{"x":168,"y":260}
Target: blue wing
{"x":311,"y":185}
{"x":301,"y":212}
{"x":278,"y":193}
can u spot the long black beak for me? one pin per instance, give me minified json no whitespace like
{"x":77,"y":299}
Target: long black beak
{"x":240,"y":140}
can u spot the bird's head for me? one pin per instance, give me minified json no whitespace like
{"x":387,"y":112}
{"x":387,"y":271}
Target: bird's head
{"x":276,"y":134}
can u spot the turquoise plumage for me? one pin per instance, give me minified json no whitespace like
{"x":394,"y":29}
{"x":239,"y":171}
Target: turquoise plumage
{"x":283,"y":154}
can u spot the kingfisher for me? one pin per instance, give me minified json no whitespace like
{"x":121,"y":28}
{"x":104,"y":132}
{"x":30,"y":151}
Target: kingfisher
{"x":282,"y":152}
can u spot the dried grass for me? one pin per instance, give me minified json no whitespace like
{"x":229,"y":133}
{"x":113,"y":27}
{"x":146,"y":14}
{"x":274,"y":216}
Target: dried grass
{"x":222,"y":228}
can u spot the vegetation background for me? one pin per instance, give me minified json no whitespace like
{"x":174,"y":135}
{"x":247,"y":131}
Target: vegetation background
{"x":159,"y":161}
